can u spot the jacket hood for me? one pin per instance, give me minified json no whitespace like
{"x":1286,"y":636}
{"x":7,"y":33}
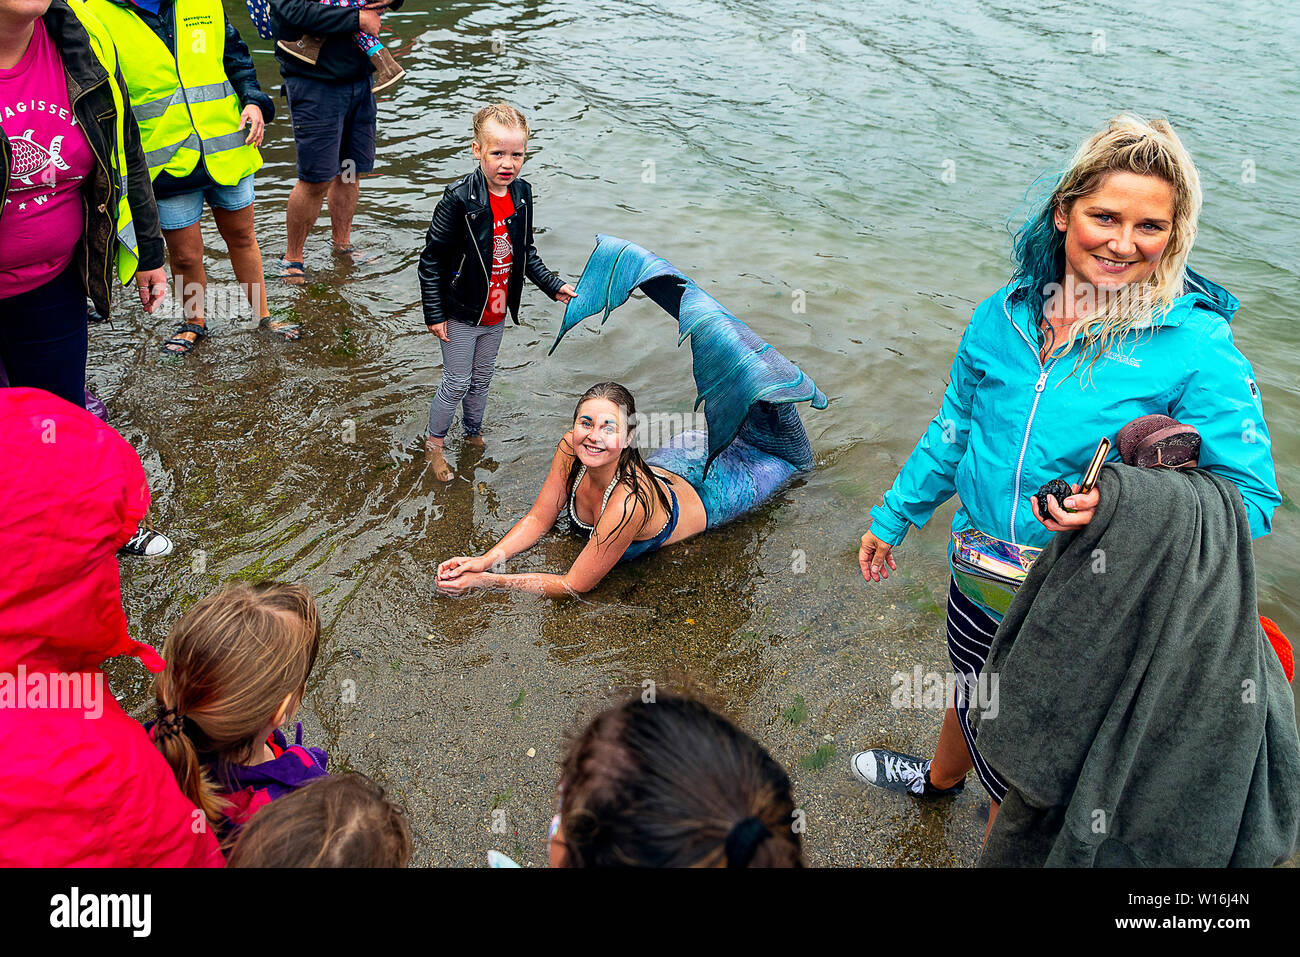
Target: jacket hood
{"x":1199,"y":292}
{"x":74,"y":492}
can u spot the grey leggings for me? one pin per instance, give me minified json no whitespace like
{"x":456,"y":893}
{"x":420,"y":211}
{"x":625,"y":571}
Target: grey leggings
{"x":469,"y":357}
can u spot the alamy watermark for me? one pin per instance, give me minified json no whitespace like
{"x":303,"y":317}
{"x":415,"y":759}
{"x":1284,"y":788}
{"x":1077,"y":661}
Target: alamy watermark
{"x":652,"y":430}
{"x":230,"y":300}
{"x":76,"y":691}
{"x":937,"y":690}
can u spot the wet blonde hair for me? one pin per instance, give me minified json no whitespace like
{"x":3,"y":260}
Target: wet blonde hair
{"x":502,"y":113}
{"x":1128,"y":144}
{"x":231,"y":661}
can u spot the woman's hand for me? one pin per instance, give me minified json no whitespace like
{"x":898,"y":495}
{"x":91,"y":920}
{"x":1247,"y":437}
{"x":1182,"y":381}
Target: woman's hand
{"x":152,"y":286}
{"x":566,"y":293}
{"x":453,"y":568}
{"x":1058,"y":519}
{"x":463,"y":582}
{"x":252,"y":115}
{"x":874,"y":556}
{"x":439,"y":329}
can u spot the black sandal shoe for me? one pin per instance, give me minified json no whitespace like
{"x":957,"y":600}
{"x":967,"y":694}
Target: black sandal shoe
{"x":187,"y":345}
{"x":293,"y":272}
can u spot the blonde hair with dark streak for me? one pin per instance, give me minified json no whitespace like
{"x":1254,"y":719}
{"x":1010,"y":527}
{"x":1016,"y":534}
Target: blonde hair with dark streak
{"x":502,"y":113}
{"x":1127,"y":144}
{"x":231,"y":661}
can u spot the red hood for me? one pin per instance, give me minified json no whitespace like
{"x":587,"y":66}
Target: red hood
{"x":72,"y":493}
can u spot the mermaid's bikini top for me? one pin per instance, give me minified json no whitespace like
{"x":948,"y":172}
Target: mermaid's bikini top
{"x":636,"y":548}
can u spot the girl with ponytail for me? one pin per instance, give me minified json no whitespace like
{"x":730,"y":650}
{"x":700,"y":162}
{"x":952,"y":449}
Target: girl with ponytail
{"x":627,"y":506}
{"x":670,"y":783}
{"x":237,"y":666}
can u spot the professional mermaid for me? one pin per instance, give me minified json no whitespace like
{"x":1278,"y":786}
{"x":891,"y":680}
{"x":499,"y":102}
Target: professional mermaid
{"x":628,"y":506}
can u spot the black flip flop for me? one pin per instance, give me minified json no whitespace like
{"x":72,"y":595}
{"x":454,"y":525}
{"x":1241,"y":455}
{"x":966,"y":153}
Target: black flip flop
{"x":187,"y":346}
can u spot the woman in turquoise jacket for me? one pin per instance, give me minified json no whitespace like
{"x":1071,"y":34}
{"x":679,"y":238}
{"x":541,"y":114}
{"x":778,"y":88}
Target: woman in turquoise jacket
{"x":1102,"y":322}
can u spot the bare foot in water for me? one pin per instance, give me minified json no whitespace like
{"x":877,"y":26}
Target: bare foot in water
{"x":433,"y":455}
{"x":475,"y":440}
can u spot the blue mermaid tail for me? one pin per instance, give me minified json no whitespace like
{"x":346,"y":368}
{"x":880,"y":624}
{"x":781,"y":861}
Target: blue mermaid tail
{"x":755,"y":442}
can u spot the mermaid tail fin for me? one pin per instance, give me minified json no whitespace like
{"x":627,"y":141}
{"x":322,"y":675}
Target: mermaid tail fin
{"x":745,"y":385}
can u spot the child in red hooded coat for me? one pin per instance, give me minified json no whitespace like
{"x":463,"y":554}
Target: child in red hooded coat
{"x":81,"y":785}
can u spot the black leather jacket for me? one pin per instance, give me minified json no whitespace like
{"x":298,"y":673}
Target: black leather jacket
{"x":92,"y":104}
{"x":458,"y":253}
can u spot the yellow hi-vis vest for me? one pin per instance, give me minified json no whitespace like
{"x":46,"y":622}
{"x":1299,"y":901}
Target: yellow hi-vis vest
{"x":101,"y":44}
{"x":182,"y":100}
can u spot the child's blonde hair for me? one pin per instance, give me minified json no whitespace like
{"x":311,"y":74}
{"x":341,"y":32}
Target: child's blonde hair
{"x":502,"y":113}
{"x":231,"y":661}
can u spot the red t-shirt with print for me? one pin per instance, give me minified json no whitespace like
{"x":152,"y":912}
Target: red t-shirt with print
{"x":503,"y":258}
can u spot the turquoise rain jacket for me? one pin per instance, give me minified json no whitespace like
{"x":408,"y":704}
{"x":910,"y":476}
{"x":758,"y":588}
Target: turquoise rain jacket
{"x":1010,"y":423}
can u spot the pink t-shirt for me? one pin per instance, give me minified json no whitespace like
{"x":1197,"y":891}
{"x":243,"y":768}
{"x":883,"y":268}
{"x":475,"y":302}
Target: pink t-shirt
{"x":43,"y":218}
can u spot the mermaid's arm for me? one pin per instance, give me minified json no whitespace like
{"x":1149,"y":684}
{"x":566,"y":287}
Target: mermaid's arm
{"x":524,"y":534}
{"x":617,"y":528}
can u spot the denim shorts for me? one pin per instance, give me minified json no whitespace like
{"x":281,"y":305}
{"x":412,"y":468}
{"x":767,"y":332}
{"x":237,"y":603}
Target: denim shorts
{"x":186,"y":209}
{"x":334,"y":127}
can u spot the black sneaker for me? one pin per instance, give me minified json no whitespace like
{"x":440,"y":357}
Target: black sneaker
{"x":147,"y":543}
{"x":898,"y":772}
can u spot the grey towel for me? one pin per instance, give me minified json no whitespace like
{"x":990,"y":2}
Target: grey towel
{"x":1144,"y":718}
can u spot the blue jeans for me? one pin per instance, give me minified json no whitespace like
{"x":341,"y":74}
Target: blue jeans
{"x":186,"y":209}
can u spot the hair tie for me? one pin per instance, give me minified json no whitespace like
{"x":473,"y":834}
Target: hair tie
{"x":169,"y":722}
{"x":743,"y":841}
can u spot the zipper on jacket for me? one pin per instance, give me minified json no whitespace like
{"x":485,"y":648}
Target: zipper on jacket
{"x":4,"y":158}
{"x":1039,"y":386}
{"x":523,"y":275}
{"x":487,"y":277}
{"x":108,"y":173}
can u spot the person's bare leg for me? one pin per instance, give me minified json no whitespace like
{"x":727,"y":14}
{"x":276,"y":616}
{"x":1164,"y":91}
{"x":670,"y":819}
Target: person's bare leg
{"x":236,"y":228}
{"x":301,"y":214}
{"x":993,"y":813}
{"x":343,"y":195}
{"x":952,"y":758}
{"x":185,"y":255}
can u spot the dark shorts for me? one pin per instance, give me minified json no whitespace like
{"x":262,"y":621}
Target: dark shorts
{"x":334,"y":127}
